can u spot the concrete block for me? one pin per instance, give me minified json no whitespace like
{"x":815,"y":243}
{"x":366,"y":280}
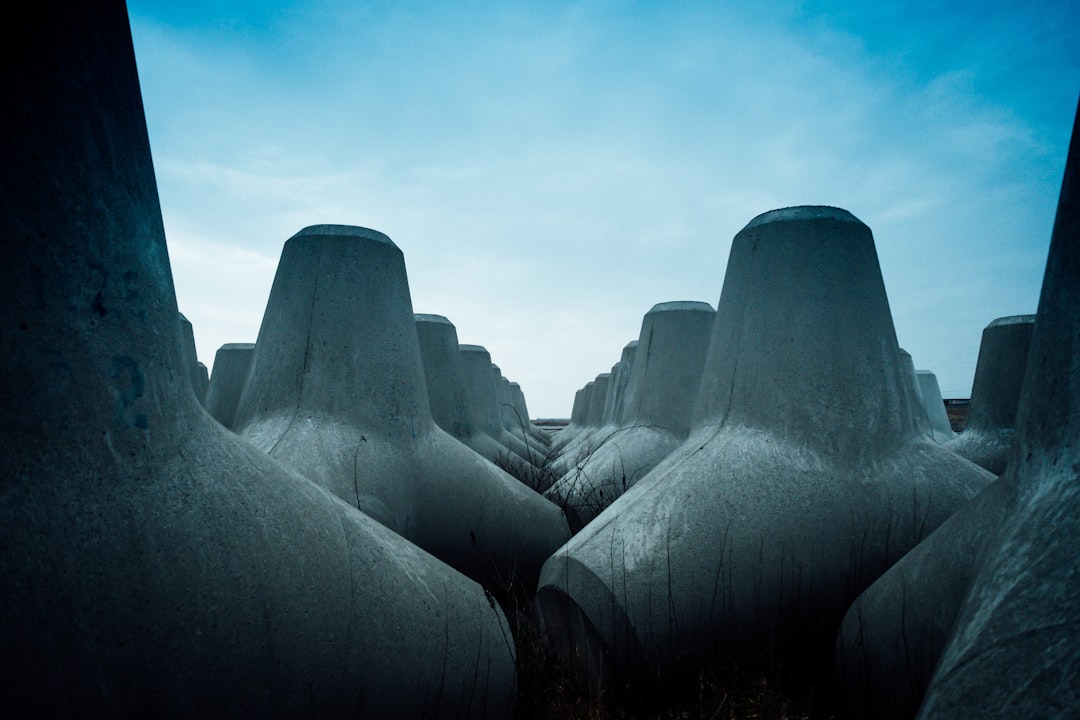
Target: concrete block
{"x":480,"y":383}
{"x":231,"y":364}
{"x":576,"y":425}
{"x":336,"y":391}
{"x":807,"y":474}
{"x":982,"y":618}
{"x":930,"y":391}
{"x":451,"y":408}
{"x":578,"y":450}
{"x":654,"y":410}
{"x":199,"y":379}
{"x":155,"y":565}
{"x":995,"y":393}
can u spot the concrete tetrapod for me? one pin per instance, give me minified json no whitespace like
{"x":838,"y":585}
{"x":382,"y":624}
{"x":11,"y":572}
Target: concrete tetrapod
{"x":154,"y":564}
{"x":930,"y":392}
{"x":578,"y":450}
{"x":578,"y":421}
{"x":336,"y":391}
{"x":200,"y":380}
{"x":516,"y":424}
{"x":231,"y":364}
{"x":450,"y":405}
{"x":995,"y":393}
{"x":655,"y":415}
{"x":517,"y":397}
{"x":480,"y":383}
{"x":982,"y":618}
{"x":807,"y":474}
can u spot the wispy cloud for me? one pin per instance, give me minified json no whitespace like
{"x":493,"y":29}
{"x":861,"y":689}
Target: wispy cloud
{"x":553,"y":170}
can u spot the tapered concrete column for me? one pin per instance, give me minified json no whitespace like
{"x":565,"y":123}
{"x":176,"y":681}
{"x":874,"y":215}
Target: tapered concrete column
{"x":480,"y":382}
{"x":981,"y":619}
{"x":995,"y":393}
{"x":930,"y":391}
{"x":197,"y":374}
{"x":654,"y":416}
{"x":806,"y":475}
{"x":515,"y":423}
{"x":231,"y":364}
{"x":336,"y":391}
{"x":153,"y":564}
{"x":517,"y":397}
{"x":518,"y":418}
{"x":578,"y":421}
{"x":451,"y":407}
{"x":585,"y":444}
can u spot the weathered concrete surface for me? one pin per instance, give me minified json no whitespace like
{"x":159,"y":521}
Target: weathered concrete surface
{"x":231,"y":364}
{"x":930,"y":392}
{"x":807,"y":474}
{"x":653,"y":415}
{"x":578,"y":419}
{"x":336,"y":391}
{"x":516,"y":424}
{"x":480,"y":383}
{"x":517,"y":397}
{"x":995,"y":393}
{"x":451,"y":408}
{"x":197,"y":375}
{"x":578,"y":450}
{"x":153,"y":564}
{"x":982,"y":618}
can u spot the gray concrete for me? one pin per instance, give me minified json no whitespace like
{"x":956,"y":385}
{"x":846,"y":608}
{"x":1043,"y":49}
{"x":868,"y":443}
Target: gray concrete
{"x":654,"y":409}
{"x":515,"y":423}
{"x":982,"y":619}
{"x":930,"y":392}
{"x":154,"y":565}
{"x":231,"y":364}
{"x":480,"y":383}
{"x":995,"y":393}
{"x":578,"y":421}
{"x":197,"y":375}
{"x":336,"y":391}
{"x":578,"y":450}
{"x":808,"y":472}
{"x":517,"y":397}
{"x":451,"y":408}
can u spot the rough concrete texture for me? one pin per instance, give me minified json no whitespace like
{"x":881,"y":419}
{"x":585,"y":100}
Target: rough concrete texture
{"x":515,"y":423}
{"x":154,"y":564}
{"x":480,"y":383}
{"x":451,"y":408}
{"x":1014,"y":651}
{"x":807,"y":474}
{"x":517,"y":397}
{"x":579,"y":416}
{"x":920,"y":401}
{"x":982,"y":619}
{"x":336,"y":391}
{"x":930,"y":392}
{"x":578,"y":450}
{"x":231,"y":364}
{"x":995,"y":393}
{"x":199,"y":379}
{"x":654,"y":414}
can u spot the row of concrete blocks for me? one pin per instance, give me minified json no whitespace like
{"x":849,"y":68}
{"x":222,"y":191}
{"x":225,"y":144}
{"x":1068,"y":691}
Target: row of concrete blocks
{"x":626,"y":421}
{"x":158,"y":565}
{"x":468,"y":396}
{"x":811,"y":468}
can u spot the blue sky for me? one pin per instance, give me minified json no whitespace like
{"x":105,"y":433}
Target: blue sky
{"x":552,"y":170}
